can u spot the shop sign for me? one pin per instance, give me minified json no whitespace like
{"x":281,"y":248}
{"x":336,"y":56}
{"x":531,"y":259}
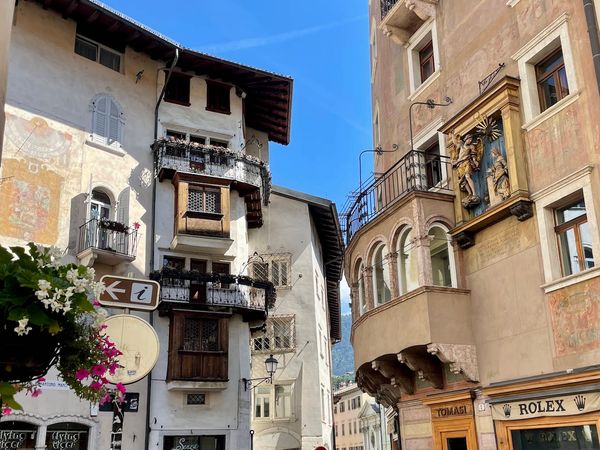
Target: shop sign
{"x":452,"y":410}
{"x":64,"y":440}
{"x":13,"y":438}
{"x":567,"y":405}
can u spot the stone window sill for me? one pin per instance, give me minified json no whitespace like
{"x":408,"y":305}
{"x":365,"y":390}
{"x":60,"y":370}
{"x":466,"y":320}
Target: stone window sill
{"x":571,"y":280}
{"x":115,"y":150}
{"x":428,"y":82}
{"x":553,"y":110}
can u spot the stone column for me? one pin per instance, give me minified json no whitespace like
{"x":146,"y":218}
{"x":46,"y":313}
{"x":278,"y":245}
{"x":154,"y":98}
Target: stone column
{"x":354,"y":301}
{"x":368,"y":280}
{"x":394,"y":281}
{"x":40,"y":438}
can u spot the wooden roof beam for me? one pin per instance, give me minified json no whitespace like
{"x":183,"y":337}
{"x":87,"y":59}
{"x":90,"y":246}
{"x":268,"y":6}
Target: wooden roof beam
{"x":93,"y":17}
{"x":70,"y":9}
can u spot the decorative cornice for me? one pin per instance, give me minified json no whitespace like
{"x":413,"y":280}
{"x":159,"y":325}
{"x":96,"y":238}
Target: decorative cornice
{"x":461,"y":358}
{"x":560,"y":184}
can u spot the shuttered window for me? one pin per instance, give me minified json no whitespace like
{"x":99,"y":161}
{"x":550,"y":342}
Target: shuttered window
{"x":207,"y":200}
{"x":107,"y":121}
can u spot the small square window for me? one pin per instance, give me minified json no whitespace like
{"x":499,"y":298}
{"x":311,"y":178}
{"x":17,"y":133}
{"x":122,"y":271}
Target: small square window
{"x":178,"y":89}
{"x":551,"y":78}
{"x":85,"y":48}
{"x":195,"y":399}
{"x":204,"y":200}
{"x":218,"y":97}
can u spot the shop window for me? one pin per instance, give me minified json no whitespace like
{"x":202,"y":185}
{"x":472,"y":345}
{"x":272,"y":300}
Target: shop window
{"x":441,"y":257}
{"x":17,"y":435}
{"x":218,"y":97}
{"x":72,"y":436}
{"x":582,"y":437}
{"x":552,"y":80}
{"x":381,"y":276}
{"x":407,"y":262}
{"x":194,"y":442}
{"x":574,"y":238}
{"x":178,"y":88}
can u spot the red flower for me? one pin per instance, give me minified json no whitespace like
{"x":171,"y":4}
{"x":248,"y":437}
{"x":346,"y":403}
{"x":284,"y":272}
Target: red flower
{"x":96,"y":385}
{"x":136,"y":225}
{"x":81,"y":374}
{"x":98,"y":370}
{"x":121,"y":388}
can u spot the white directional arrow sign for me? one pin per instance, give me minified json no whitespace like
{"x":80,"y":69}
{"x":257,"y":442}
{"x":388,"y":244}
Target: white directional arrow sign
{"x":129,"y":293}
{"x":112,"y":290}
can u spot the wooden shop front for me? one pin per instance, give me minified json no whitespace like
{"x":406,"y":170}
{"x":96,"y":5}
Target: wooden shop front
{"x":453,"y":422}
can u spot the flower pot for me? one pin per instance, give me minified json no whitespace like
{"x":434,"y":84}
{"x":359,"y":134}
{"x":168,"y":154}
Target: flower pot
{"x":25,"y":358}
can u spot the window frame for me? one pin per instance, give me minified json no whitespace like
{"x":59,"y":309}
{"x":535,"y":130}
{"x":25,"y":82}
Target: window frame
{"x":177,"y":77}
{"x":575,"y":225}
{"x":272,"y":397}
{"x":450,"y":249}
{"x":99,"y":48}
{"x":101,"y":140}
{"x":385,"y":274}
{"x":424,"y":59}
{"x":271,"y":337}
{"x":214,"y":89}
{"x":203,"y":213}
{"x":541,"y":77}
{"x":547,"y":200}
{"x":267,"y":262}
{"x":425,"y":35}
{"x":546,"y":42}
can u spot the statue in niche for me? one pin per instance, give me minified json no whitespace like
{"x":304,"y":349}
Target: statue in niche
{"x":466,"y":160}
{"x":498,"y":182}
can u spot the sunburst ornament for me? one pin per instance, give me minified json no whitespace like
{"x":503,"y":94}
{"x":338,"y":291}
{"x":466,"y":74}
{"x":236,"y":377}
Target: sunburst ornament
{"x":488,"y":128}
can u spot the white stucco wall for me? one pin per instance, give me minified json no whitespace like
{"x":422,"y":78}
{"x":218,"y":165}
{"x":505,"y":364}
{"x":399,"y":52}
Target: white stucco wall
{"x":6,"y":18}
{"x":288,"y":228}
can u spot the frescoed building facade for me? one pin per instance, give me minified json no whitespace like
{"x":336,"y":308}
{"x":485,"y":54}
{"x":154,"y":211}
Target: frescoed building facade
{"x":146,"y":159}
{"x":472,"y":255}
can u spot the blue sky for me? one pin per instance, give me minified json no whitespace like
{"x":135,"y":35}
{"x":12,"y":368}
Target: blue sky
{"x":323,"y":45}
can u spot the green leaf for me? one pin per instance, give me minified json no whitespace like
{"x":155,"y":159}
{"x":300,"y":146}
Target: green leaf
{"x":54,"y":327}
{"x":17,"y":313}
{"x":80,"y":302}
{"x":5,"y":256}
{"x":11,"y":403}
{"x":7,"y":390}
{"x":37,"y":315}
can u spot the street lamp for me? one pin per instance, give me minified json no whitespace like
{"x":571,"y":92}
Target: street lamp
{"x":271,"y":368}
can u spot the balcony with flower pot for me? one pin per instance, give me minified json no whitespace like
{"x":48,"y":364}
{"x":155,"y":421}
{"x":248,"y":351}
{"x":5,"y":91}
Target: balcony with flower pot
{"x":106,"y":242}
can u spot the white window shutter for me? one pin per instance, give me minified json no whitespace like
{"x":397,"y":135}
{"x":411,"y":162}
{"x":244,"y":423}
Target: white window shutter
{"x":123,"y":207}
{"x":100,"y":128}
{"x":114,"y":124}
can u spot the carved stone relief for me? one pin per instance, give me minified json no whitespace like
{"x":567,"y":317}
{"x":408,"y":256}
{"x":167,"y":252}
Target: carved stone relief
{"x":461,"y":358}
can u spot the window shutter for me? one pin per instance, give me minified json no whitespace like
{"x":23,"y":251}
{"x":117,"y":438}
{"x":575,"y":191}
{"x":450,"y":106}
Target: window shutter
{"x":100,"y":130}
{"x":114,"y":123}
{"x":123,"y":206}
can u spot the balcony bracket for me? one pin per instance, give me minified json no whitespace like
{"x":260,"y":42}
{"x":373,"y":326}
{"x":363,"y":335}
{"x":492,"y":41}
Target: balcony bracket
{"x":522,"y":210}
{"x":424,"y":367}
{"x":465,"y":239}
{"x":397,"y":374}
{"x":461,"y":358}
{"x":401,"y":18}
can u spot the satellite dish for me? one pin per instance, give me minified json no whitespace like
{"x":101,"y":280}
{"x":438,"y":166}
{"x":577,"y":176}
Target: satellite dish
{"x":139,"y":343}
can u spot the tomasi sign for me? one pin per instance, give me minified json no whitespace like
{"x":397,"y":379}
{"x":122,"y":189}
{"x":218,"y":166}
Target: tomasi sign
{"x":567,"y":405}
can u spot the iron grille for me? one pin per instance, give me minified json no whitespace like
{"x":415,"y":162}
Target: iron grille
{"x":201,"y":335}
{"x":196,"y":399}
{"x":279,"y":335}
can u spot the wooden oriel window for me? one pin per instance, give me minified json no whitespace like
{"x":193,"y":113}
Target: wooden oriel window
{"x":551,"y":79}
{"x":218,"y":97}
{"x":198,"y":345}
{"x":204,"y":200}
{"x":574,"y":238}
{"x":178,"y":89}
{"x":426,"y":61}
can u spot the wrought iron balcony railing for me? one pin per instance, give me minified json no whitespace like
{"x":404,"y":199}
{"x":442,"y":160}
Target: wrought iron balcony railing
{"x":415,"y":171}
{"x":211,"y":289}
{"x":172,"y":156}
{"x":108,"y":235}
{"x":386,"y":6}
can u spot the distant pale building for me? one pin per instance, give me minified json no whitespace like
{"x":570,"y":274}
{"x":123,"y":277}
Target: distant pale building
{"x":347,"y":405}
{"x":373,"y":425}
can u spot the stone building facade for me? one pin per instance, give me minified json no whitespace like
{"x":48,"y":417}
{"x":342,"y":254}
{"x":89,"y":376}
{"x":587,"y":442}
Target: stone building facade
{"x":176,"y":190}
{"x":472,"y":253}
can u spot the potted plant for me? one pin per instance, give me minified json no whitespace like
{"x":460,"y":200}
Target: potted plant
{"x":49,"y":316}
{"x":113,"y":225}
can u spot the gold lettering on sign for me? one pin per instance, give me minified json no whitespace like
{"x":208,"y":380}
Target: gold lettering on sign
{"x":451,"y":410}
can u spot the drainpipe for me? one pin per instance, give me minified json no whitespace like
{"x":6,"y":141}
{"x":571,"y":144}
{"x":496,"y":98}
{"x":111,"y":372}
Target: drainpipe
{"x":592,"y":24}
{"x":151,"y":234}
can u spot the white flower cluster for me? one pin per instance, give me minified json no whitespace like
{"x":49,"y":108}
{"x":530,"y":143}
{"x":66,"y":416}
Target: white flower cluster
{"x":58,"y":299}
{"x":23,"y":329}
{"x":50,"y":256}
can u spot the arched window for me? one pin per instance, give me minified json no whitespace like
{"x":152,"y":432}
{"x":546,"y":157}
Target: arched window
{"x":67,"y":435}
{"x":107,"y":121}
{"x":100,"y":205}
{"x":360,"y":280}
{"x":407,"y":262}
{"x":381,"y":276}
{"x":17,"y":434}
{"x":442,"y":262}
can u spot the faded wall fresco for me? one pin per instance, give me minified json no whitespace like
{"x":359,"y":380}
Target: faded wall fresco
{"x":575,"y":314}
{"x":36,"y":167}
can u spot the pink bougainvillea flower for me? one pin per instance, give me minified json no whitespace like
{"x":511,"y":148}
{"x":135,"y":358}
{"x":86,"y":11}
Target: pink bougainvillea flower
{"x":95,"y":302}
{"x":121,"y":388}
{"x":98,"y":370}
{"x":36,"y":392}
{"x":41,"y":379}
{"x":96,"y":385}
{"x":106,"y":399}
{"x":136,"y":225}
{"x":6,"y":411}
{"x":112,"y":369}
{"x":81,"y":374}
